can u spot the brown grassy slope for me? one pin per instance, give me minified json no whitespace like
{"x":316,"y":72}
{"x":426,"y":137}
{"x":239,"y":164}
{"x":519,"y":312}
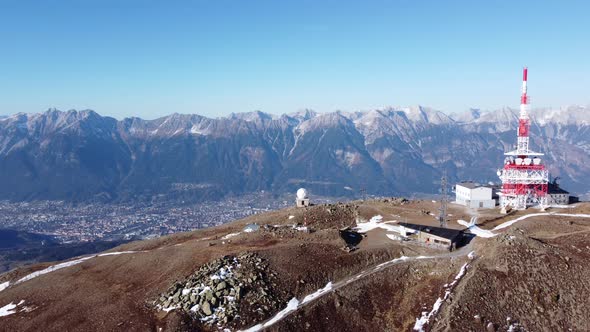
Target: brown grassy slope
{"x":389,"y":300}
{"x":114,"y":292}
{"x":535,"y":273}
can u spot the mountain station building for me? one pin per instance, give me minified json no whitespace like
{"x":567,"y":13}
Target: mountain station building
{"x":474,"y":195}
{"x":443,"y":237}
{"x":558,"y":195}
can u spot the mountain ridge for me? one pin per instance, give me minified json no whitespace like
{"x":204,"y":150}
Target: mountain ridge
{"x":395,"y":150}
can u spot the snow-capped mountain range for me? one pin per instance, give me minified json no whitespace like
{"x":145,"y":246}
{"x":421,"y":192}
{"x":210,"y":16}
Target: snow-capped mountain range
{"x":82,"y":155}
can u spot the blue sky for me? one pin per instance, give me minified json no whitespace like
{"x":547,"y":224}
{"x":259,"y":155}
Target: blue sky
{"x":152,"y":58}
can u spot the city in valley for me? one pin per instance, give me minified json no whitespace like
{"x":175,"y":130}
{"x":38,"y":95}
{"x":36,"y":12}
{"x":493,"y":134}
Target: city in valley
{"x":86,"y":222}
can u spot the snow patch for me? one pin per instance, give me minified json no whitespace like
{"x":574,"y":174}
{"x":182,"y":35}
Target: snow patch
{"x":205,"y":289}
{"x":294,"y":304}
{"x":230,"y":235}
{"x":402,"y":258}
{"x":118,"y":253}
{"x":170,"y":308}
{"x":196,"y":131}
{"x":317,"y":294}
{"x":4,"y":285}
{"x":300,"y":228}
{"x":489,"y":233}
{"x":558,"y":206}
{"x":68,"y":264}
{"x":426,"y":316}
{"x":10,"y":308}
{"x":393,"y":237}
{"x":226,"y":272}
{"x":511,"y":222}
{"x":475,"y":229}
{"x":374,"y":223}
{"x":53,"y":268}
{"x":291,"y":306}
{"x":291,"y":217}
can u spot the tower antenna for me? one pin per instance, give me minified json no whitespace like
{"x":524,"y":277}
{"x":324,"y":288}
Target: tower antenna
{"x":524,"y":177}
{"x":442,"y":211}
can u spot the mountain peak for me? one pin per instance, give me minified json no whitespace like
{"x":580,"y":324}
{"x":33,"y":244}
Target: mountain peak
{"x":304,"y":114}
{"x":254,"y":116}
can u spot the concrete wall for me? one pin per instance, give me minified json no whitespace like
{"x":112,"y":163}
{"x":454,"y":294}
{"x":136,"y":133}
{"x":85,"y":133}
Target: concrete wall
{"x":560,"y":199}
{"x":480,"y":197}
{"x":302,"y":202}
{"x":430,"y":239}
{"x":481,"y":194}
{"x":483,"y":204}
{"x":462,"y":194}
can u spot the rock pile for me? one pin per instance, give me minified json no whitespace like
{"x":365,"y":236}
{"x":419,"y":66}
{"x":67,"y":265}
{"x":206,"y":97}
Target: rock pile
{"x":222,"y":289}
{"x":288,"y":230}
{"x":395,"y":200}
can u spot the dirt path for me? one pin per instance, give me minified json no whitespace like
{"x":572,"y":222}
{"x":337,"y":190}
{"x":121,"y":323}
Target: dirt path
{"x":555,"y":236}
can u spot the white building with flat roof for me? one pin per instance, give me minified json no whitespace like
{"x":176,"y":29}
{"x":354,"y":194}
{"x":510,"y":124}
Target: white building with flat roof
{"x":474,"y":195}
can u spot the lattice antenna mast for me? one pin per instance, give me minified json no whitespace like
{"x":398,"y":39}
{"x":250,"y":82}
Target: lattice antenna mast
{"x":364,"y":193}
{"x":442,"y":215}
{"x":524,"y":176}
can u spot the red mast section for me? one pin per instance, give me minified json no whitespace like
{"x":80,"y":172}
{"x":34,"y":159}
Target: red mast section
{"x":524,"y":177}
{"x":523,"y":121}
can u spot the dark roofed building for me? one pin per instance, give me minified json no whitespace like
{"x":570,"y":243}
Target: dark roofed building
{"x":557,"y":195}
{"x":445,"y":237}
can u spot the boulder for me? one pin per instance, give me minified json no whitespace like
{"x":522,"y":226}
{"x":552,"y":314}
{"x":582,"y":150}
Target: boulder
{"x":221,"y":286}
{"x":206,"y":308}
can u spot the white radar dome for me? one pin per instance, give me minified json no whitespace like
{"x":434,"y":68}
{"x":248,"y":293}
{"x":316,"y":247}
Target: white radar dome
{"x":301,"y":193}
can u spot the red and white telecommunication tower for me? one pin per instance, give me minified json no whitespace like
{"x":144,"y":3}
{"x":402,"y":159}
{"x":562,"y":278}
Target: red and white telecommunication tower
{"x":524,"y":177}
